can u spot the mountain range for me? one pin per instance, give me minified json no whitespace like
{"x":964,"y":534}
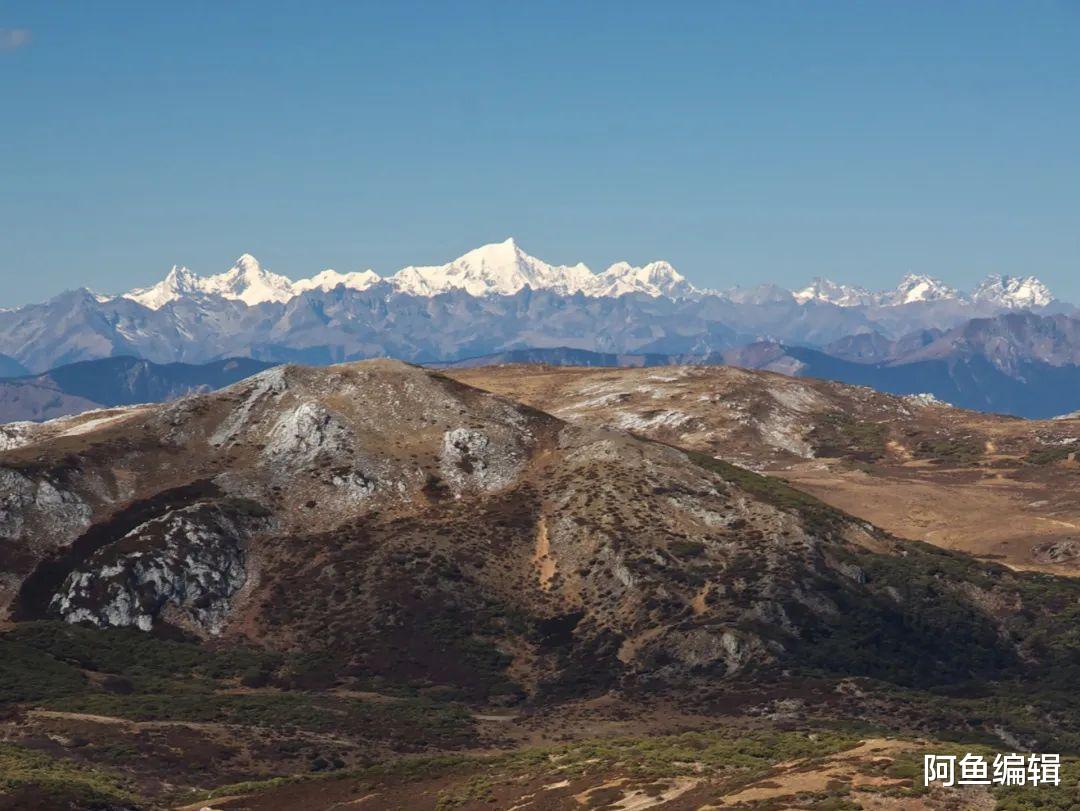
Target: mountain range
{"x":504,"y":269}
{"x":497,"y":269}
{"x":1008,"y":292}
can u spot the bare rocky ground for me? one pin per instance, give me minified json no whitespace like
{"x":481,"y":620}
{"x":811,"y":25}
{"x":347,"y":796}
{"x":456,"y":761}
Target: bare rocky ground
{"x":375,"y":586}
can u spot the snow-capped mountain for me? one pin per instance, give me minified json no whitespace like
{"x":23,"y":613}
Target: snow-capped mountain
{"x":245,"y":281}
{"x":498,"y":269}
{"x":180,"y":282}
{"x":919,"y":287}
{"x":329,"y":279}
{"x":654,"y":279}
{"x":1001,"y":292}
{"x":912,"y":288}
{"x":503,"y":269}
{"x":1013,"y":292}
{"x":249,"y":282}
{"x":842,"y":295}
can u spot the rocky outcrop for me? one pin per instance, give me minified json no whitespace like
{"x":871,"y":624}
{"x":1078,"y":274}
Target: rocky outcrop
{"x":306,"y":432}
{"x":186,"y":564}
{"x":472,"y":459}
{"x":27,"y":500}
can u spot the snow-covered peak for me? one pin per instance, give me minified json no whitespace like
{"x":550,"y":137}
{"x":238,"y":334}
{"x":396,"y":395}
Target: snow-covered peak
{"x":245,"y":281}
{"x":330,"y":279}
{"x":249,"y":282}
{"x":500,"y":268}
{"x":919,"y":287}
{"x":654,"y":279}
{"x":1014,"y":292}
{"x":842,"y":295}
{"x":178,"y":283}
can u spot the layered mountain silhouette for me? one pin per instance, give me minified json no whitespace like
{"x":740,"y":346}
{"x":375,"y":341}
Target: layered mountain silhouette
{"x":112,"y":382}
{"x":1008,"y":345}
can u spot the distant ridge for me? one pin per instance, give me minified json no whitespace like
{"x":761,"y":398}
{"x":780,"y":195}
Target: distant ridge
{"x":110,"y":382}
{"x":9,"y":367}
{"x":556,"y":356}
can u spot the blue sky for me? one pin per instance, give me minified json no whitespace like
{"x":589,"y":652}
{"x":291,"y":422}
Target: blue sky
{"x":743,"y":141}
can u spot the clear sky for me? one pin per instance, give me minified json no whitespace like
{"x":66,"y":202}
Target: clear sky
{"x":743,"y":141}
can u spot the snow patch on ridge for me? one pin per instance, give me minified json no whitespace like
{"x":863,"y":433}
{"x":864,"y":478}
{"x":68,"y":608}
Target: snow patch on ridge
{"x":330,"y":279}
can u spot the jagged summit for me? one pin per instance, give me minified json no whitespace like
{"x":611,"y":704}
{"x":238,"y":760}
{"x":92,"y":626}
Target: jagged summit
{"x":245,"y":281}
{"x":1009,"y":292}
{"x":249,"y":282}
{"x":178,"y":283}
{"x":920,"y":287}
{"x":1013,"y":291}
{"x":501,"y":268}
{"x":655,"y":279}
{"x":842,"y":295}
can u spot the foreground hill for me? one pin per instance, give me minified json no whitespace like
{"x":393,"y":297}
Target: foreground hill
{"x":284,"y":508}
{"x":322,"y":569}
{"x":990,"y":485}
{"x":110,"y":382}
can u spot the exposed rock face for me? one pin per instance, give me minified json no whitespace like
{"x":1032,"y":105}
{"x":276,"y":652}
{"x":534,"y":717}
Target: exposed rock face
{"x":40,"y":502}
{"x":301,"y":434}
{"x":256,"y":391}
{"x":16,"y":494}
{"x":15,"y":435}
{"x":472,"y":459}
{"x":190,"y":562}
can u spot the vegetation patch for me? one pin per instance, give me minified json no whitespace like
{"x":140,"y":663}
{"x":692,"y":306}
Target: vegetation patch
{"x":36,"y":780}
{"x":402,"y":720}
{"x":143,"y":678}
{"x":838,"y":434}
{"x":1051,"y":454}
{"x":817,"y":516}
{"x":952,"y":450}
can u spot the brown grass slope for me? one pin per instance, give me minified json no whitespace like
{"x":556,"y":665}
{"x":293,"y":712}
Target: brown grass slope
{"x":993,"y":486}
